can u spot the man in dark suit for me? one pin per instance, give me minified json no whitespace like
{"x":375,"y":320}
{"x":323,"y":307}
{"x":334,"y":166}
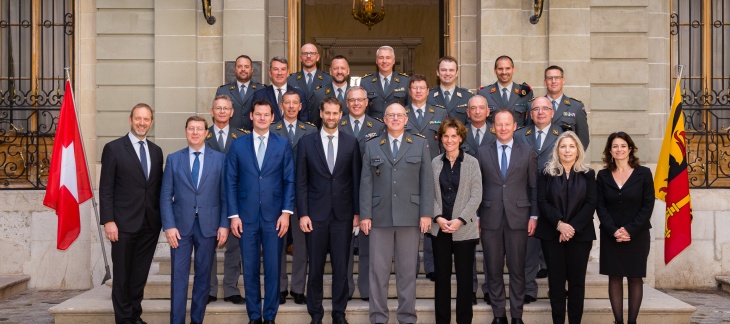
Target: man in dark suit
{"x":387,"y":87}
{"x":260,"y":198}
{"x":220,"y":137}
{"x":396,"y":204}
{"x":541,"y":137}
{"x":328,"y":187}
{"x":293,"y":130}
{"x":129,"y":196}
{"x":569,"y":113}
{"x":363,"y":128}
{"x":278,"y":70}
{"x":340,"y":72}
{"x":309,"y":79}
{"x":192,"y":206}
{"x":240,"y":92}
{"x":447,"y":95}
{"x":506,"y":94}
{"x":508,"y":213}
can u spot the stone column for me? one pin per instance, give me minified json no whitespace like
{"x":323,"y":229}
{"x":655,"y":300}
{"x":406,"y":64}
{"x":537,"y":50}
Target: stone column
{"x":245,"y":31}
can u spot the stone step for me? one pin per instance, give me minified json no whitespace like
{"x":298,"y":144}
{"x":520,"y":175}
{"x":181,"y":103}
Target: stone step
{"x":723,"y":282}
{"x":158,"y":287}
{"x":12,"y":284}
{"x":94,"y":306}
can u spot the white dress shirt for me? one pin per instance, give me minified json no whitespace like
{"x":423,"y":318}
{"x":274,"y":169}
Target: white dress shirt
{"x":135,"y":144}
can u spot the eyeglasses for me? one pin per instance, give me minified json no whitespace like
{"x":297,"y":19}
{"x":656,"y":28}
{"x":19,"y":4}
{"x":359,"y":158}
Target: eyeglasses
{"x":219,"y":109}
{"x":308,"y":53}
{"x":358,"y":100}
{"x":545,"y":109}
{"x":395,"y":116}
{"x":553,"y":78}
{"x":195,"y":129}
{"x":418,"y":88}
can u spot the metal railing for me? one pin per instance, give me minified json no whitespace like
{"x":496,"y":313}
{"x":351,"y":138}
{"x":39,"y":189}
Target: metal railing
{"x":26,"y":143}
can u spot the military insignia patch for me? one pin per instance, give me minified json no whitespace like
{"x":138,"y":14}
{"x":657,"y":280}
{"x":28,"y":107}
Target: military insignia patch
{"x":209,"y":136}
{"x":299,"y":77}
{"x":232,"y":87}
{"x":435,"y":94}
{"x":370,"y":136}
{"x":529,"y":132}
{"x":234,"y":135}
{"x":368,"y":124}
{"x":431,"y":110}
{"x":374,"y":80}
{"x":491,"y":130}
{"x":492,"y":90}
{"x":409,"y":140}
{"x":524,"y":93}
{"x":555,"y":132}
{"x":319,"y":76}
{"x":567,"y":102}
{"x":382,"y":141}
{"x":401,"y":89}
{"x":396,"y":80}
{"x":279,"y":126}
{"x":568,"y":114}
{"x":302,"y":126}
{"x":328,"y":91}
{"x":343,"y":123}
{"x":458,"y":94}
{"x":253,"y":86}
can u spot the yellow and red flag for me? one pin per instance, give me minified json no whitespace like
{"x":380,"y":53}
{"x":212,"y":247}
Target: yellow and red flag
{"x":671,"y":182}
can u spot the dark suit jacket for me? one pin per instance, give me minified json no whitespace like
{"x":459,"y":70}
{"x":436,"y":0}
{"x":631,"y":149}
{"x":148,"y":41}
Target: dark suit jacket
{"x":527,"y":135}
{"x":629,"y":207}
{"x":269,"y":93}
{"x":519,"y":101}
{"x":516,"y":195}
{"x":469,"y":146}
{"x":212,"y":139}
{"x":456,"y":107}
{"x":251,"y":191}
{"x":180,"y":199}
{"x":125,"y":196}
{"x":241,"y":108}
{"x":582,"y":220}
{"x":318,"y":191}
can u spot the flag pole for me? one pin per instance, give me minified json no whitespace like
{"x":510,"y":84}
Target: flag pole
{"x":107,"y":275}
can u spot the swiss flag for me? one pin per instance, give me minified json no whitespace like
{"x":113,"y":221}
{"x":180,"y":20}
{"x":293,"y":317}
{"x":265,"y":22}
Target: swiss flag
{"x":68,"y":179}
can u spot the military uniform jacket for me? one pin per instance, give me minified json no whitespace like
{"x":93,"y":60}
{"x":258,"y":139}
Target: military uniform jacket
{"x":518,"y":101}
{"x":456,"y":107}
{"x":301,"y":129}
{"x":212,"y":139}
{"x":469,"y":146}
{"x":527,"y":135}
{"x":241,"y":107}
{"x":299,"y":80}
{"x":571,"y":115}
{"x":396,"y":192}
{"x":432,"y":119}
{"x":378,"y":99}
{"x":372,"y":128}
{"x":319,"y":95}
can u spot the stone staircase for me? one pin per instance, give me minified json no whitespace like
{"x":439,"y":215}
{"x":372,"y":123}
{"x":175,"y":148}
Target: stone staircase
{"x":12,"y":284}
{"x":95,"y":305}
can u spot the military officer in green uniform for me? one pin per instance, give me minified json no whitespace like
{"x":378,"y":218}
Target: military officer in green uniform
{"x":386,"y":87}
{"x":447,"y":95}
{"x":506,"y":94}
{"x":569,"y":113}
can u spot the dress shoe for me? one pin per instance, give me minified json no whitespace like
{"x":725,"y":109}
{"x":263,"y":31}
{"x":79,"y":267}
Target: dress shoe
{"x":140,"y":321}
{"x":431,"y":276}
{"x":339,"y":320}
{"x":195,"y":323}
{"x":487,"y":300}
{"x":529,"y":299}
{"x":542,"y":273}
{"x":365,"y":298}
{"x":236,"y":299}
{"x":256,"y":321}
{"x":517,"y":321}
{"x":282,"y":297}
{"x":299,"y":299}
{"x":269,"y":322}
{"x":474,"y":298}
{"x":314,"y":321}
{"x":290,"y":249}
{"x":500,"y":320}
{"x":211,"y":299}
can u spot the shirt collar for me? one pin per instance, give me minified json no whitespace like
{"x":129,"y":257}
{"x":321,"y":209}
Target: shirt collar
{"x":450,"y":90}
{"x":557,"y":100}
{"x":459,"y":158}
{"x":483,"y":128}
{"x":224,"y":129}
{"x":324,"y":134}
{"x":256,"y":135}
{"x":509,"y":144}
{"x":201,"y":150}
{"x":287,"y":123}
{"x":390,"y":76}
{"x":399,"y":138}
{"x":509,"y":88}
{"x":314,"y":73}
{"x":544,"y":130}
{"x":238,"y":83}
{"x":136,"y":140}
{"x":353,"y":119}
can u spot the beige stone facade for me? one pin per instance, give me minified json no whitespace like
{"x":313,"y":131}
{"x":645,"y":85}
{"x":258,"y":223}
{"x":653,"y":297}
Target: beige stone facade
{"x":162,"y":52}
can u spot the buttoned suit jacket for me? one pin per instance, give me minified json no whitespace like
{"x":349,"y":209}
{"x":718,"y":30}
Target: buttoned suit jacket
{"x":212,"y":139}
{"x":571,"y":115}
{"x":469,"y":146}
{"x":396,"y":192}
{"x":269,"y":93}
{"x":126,"y":197}
{"x":432,"y":119}
{"x":527,"y":135}
{"x":519,"y":101}
{"x":241,"y":107}
{"x":379,"y":100}
{"x":515,"y":195}
{"x":181,"y":200}
{"x":372,"y":128}
{"x":456,"y":107}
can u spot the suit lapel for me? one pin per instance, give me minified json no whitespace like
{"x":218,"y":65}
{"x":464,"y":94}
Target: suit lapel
{"x":379,"y":85}
{"x":298,"y":132}
{"x":403,"y":147}
{"x":320,"y":151}
{"x":497,"y":97}
{"x":130,"y":149}
{"x":493,"y":156}
{"x":207,"y":164}
{"x":530,"y":138}
{"x":470,"y":140}
{"x":385,"y":147}
{"x":513,"y":96}
{"x":550,"y":137}
{"x":249,"y":91}
{"x":562,"y":107}
{"x":187,"y":168}
{"x":252,"y":150}
{"x":229,"y":140}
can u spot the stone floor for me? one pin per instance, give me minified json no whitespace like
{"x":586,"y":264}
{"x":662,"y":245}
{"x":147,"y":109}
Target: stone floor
{"x":32,"y":306}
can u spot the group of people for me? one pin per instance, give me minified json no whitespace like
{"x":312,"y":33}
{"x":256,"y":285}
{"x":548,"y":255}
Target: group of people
{"x":378,"y":166}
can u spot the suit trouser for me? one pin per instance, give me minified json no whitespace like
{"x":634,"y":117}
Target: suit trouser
{"x":258,"y":236}
{"x":400,"y":243}
{"x":231,"y":269}
{"x":485,"y":285}
{"x":204,"y":248}
{"x":299,"y":259}
{"x":463,"y":260}
{"x":363,"y":266}
{"x":132,"y":257}
{"x":497,"y":244}
{"x":567,"y":261}
{"x":428,"y":266}
{"x":331,"y":235}
{"x":532,"y":265}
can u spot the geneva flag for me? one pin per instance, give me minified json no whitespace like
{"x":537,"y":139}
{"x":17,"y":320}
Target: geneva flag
{"x":68,"y":180}
{"x":671,"y":183}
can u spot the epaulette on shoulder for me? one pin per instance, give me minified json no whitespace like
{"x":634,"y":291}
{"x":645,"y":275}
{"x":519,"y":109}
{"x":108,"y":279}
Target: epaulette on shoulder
{"x":521,"y":127}
{"x":273,"y":122}
{"x":293,"y":73}
{"x":243,"y":131}
{"x":310,"y":124}
{"x":571,"y":98}
{"x":366,"y":75}
{"x":403,"y":74}
{"x":531,"y":100}
{"x":378,"y":119}
{"x":480,"y":88}
{"x":472,"y":92}
{"x":420,"y":135}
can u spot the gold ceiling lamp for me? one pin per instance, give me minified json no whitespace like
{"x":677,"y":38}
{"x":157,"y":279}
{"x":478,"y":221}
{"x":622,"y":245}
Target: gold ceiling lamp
{"x":364,"y":12}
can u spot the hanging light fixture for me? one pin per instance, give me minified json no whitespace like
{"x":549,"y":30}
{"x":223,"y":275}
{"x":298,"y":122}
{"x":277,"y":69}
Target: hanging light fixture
{"x":364,"y":12}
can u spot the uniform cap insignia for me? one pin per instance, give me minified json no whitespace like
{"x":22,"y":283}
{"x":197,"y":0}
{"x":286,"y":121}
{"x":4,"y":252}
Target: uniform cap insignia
{"x":555,"y":132}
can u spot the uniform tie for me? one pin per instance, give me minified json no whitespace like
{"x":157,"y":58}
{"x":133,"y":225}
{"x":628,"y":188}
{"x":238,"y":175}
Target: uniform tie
{"x":291,"y":132}
{"x":447,"y":97}
{"x":279,"y":99}
{"x":196,"y":169}
{"x":477,"y":137}
{"x":242,"y":92}
{"x":395,"y":149}
{"x":356,"y":131}
{"x":386,"y":85}
{"x":555,"y":106}
{"x":539,"y":140}
{"x":309,"y":80}
{"x":504,"y":165}
{"x":419,"y":117}
{"x":505,"y":99}
{"x":143,"y":159}
{"x":262,"y":150}
{"x":339,"y":94}
{"x":221,"y":143}
{"x":330,"y":154}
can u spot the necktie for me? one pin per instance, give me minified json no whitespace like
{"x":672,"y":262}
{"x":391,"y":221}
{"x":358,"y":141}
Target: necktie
{"x":196,"y":169}
{"x":339,"y":94}
{"x":143,"y":159}
{"x":395,"y":149}
{"x":261,"y":151}
{"x":477,"y":136}
{"x":447,"y":96}
{"x":221,"y":143}
{"x":330,"y":154}
{"x":539,"y":140}
{"x":291,"y":132}
{"x":504,"y":165}
{"x":505,"y":99}
{"x":309,"y":80}
{"x":555,"y":106}
{"x":279,"y":103}
{"x":242,"y":92}
{"x":357,"y":128}
{"x":419,"y":117}
{"x":386,"y":85}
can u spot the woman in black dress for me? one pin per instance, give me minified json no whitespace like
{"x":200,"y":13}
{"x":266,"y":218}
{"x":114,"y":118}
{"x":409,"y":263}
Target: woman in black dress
{"x":625,"y":203}
{"x":566,"y":194}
